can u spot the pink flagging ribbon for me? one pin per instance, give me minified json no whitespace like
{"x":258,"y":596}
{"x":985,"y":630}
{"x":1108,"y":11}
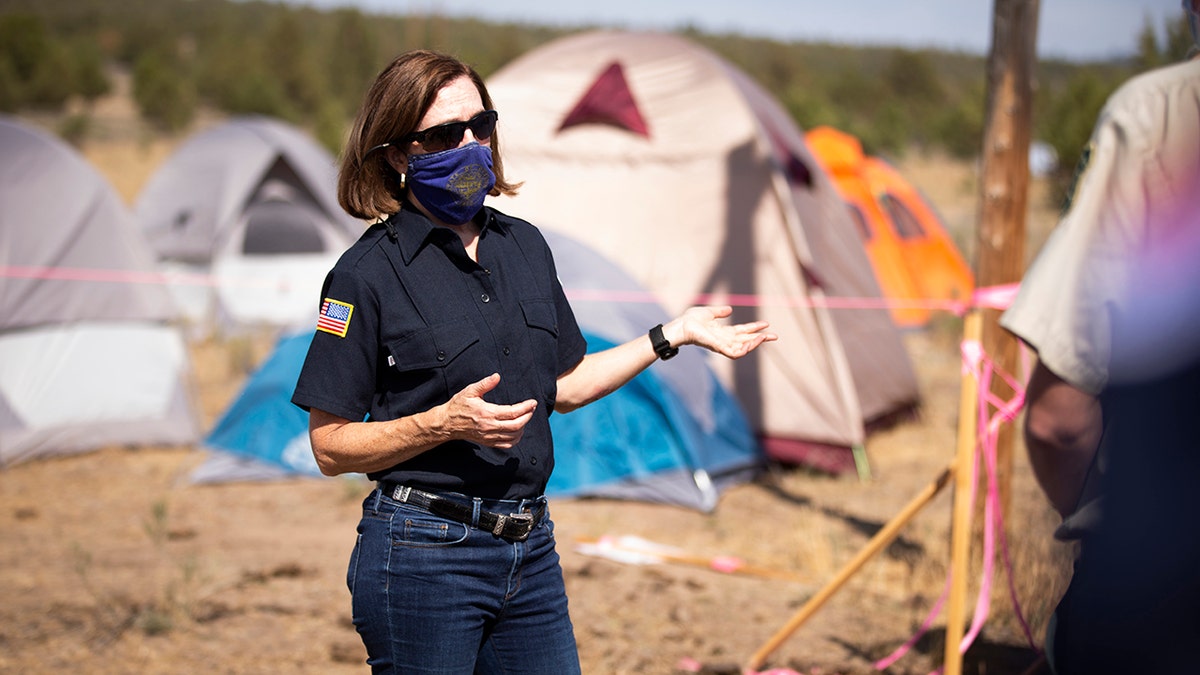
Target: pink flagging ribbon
{"x":726,"y":563}
{"x":97,"y":275}
{"x":982,"y":368}
{"x":994,"y":297}
{"x":972,"y":356}
{"x":690,"y":665}
{"x":997,"y":297}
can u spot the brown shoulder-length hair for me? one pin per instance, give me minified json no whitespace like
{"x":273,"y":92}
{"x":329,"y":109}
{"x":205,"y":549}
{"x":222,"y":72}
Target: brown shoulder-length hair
{"x":368,"y":187}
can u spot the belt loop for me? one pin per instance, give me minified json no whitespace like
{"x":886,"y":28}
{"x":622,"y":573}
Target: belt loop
{"x":378,"y":498}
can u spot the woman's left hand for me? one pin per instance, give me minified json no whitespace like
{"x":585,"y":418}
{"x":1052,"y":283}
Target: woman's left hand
{"x":703,"y":326}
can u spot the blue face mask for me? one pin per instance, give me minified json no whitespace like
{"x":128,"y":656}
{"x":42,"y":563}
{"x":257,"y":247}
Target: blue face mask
{"x":452,"y":184}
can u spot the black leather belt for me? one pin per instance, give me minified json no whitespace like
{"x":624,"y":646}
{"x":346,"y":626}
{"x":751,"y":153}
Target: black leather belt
{"x":510,"y":526}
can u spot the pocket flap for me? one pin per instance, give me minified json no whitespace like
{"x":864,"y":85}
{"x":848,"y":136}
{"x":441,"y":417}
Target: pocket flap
{"x":540,"y":314}
{"x":432,"y":347}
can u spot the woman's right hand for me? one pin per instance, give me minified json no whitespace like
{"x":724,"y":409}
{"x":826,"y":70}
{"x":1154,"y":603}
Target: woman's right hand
{"x":342,"y":446}
{"x":467,"y":416}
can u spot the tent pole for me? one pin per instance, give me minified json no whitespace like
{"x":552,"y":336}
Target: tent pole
{"x":877,"y":543}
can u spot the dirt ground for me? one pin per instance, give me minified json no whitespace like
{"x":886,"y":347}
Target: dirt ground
{"x":110,"y":562}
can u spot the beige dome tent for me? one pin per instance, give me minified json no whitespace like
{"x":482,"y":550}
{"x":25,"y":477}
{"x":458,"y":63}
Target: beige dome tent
{"x":668,"y":160}
{"x":249,"y":205}
{"x":89,"y":354}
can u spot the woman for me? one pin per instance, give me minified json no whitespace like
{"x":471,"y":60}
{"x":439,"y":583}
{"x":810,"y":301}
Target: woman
{"x":444,"y":341}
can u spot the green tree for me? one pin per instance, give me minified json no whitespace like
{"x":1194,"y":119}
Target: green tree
{"x":91,"y":82}
{"x":25,"y":42}
{"x":53,"y":78}
{"x":916,"y":90}
{"x":958,"y":128}
{"x":1069,"y":120}
{"x":1179,"y":39}
{"x":164,"y":93}
{"x":291,"y":60}
{"x":911,"y":76}
{"x":853,"y":91}
{"x":257,"y":92}
{"x":887,"y":132}
{"x":1148,"y":54}
{"x":11,"y":90}
{"x":810,"y":108}
{"x":331,"y":124}
{"x":142,"y":35}
{"x":40,"y":66}
{"x":353,"y":57}
{"x":233,"y":75}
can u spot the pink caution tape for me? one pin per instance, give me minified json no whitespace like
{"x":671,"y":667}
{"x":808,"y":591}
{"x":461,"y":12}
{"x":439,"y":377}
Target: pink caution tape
{"x":996,"y":297}
{"x":982,"y":368}
{"x":96,"y":275}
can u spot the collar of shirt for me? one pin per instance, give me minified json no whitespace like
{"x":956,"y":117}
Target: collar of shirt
{"x":414,"y":230}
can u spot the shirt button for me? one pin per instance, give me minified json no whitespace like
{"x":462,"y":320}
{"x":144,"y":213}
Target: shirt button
{"x":441,"y":356}
{"x":487,"y":270}
{"x":485,"y":298}
{"x":533,"y":461}
{"x":506,"y":351}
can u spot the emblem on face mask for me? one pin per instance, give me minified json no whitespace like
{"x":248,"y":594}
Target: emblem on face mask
{"x":469,"y":181}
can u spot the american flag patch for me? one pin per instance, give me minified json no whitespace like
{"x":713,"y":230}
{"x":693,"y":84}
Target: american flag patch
{"x":335,"y":317}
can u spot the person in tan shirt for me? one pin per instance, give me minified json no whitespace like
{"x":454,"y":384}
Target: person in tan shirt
{"x":1111,"y":309}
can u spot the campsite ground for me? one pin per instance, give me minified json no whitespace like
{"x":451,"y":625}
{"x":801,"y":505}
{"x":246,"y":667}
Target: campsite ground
{"x":111,"y":563}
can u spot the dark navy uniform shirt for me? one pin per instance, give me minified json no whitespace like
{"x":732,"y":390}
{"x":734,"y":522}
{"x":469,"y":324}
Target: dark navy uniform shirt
{"x":406,"y":323}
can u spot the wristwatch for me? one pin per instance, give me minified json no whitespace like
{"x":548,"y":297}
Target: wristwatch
{"x":661,"y":346}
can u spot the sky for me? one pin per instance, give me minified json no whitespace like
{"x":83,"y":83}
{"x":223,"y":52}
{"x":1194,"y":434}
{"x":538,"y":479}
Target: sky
{"x":1071,"y":29}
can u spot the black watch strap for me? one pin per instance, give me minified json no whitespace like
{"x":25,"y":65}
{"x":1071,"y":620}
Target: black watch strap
{"x":661,"y":346}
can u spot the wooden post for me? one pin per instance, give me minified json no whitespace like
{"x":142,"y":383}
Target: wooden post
{"x":961,"y":529}
{"x":1004,"y":189}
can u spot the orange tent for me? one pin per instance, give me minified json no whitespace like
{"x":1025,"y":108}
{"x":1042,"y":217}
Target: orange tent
{"x":915,"y":261}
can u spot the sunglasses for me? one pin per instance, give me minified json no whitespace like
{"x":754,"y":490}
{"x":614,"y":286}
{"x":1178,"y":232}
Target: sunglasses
{"x":450,"y":134}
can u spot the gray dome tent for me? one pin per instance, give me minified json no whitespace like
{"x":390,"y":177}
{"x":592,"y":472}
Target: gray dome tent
{"x":249,"y":207}
{"x":88,"y":354}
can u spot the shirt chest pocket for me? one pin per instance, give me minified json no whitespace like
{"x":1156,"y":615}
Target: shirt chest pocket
{"x":541,"y":314}
{"x":542,"y":321}
{"x":434,"y":353}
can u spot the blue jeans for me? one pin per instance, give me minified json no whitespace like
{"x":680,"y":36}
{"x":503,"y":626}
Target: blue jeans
{"x":432,"y":595}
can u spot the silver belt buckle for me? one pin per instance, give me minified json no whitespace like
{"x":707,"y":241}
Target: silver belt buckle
{"x":524,"y":519}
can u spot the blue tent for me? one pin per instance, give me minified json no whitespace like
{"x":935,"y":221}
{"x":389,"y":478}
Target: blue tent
{"x":673,"y":434}
{"x":262,"y":435}
{"x":642,"y":443}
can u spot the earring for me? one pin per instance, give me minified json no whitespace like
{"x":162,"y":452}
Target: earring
{"x":403,"y":180}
